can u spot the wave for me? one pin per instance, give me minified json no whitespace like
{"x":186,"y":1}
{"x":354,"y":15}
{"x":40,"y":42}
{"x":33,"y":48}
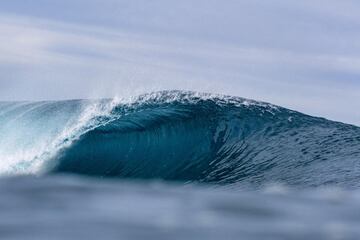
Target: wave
{"x":183,"y":136}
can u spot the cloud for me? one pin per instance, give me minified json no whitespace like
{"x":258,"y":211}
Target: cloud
{"x":302,"y":64}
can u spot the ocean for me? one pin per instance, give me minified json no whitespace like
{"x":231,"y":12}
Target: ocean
{"x":175,"y":165}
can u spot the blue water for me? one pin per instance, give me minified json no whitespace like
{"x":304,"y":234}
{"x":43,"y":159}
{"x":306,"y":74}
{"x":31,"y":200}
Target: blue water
{"x":175,"y":165}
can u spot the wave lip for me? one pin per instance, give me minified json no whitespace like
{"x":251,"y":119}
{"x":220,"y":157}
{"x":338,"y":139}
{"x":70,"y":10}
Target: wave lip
{"x":181,"y":136}
{"x":188,"y":136}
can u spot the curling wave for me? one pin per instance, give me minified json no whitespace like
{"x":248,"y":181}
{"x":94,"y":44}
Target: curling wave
{"x":187,"y":136}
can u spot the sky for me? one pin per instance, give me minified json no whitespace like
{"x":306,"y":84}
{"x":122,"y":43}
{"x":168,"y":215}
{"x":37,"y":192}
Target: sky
{"x":303,"y":55}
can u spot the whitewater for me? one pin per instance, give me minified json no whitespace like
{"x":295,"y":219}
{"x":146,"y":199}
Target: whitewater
{"x":176,"y":164}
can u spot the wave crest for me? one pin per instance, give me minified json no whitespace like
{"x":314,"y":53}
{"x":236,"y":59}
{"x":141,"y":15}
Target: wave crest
{"x":188,"y":136}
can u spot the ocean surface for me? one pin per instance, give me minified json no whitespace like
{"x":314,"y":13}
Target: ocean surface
{"x":175,"y":165}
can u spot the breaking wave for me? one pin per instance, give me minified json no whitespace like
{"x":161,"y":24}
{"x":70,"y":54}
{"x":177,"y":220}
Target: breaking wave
{"x":182,"y":136}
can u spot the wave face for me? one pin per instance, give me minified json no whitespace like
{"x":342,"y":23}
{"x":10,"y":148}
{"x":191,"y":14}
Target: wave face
{"x":182,"y":136}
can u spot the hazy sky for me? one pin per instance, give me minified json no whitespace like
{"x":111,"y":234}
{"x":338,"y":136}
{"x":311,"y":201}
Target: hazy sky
{"x":303,"y":55}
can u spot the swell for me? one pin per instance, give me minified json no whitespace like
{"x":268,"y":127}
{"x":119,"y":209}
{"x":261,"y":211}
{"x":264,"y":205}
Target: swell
{"x":187,"y":136}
